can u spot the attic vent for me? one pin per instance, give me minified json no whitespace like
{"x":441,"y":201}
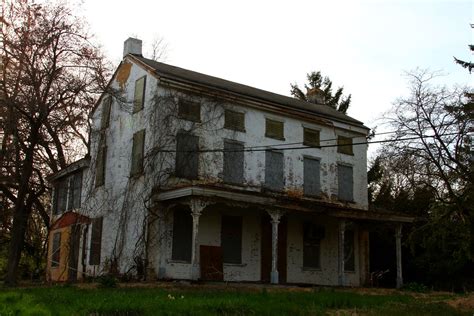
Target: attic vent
{"x":311,"y":137}
{"x":274,"y":129}
{"x":234,"y":120}
{"x":189,"y":110}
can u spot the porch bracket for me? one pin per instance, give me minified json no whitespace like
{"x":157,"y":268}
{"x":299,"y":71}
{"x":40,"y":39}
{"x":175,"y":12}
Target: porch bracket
{"x":275,"y":219}
{"x":398,"y":246}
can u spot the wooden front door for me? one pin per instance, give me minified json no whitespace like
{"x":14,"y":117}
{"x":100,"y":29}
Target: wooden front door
{"x":211,"y":263}
{"x":266,"y":253}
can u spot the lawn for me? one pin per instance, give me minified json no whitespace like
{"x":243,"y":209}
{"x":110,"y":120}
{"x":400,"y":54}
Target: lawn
{"x":219,"y":300}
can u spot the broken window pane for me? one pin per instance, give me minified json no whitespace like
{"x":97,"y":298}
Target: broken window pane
{"x":344,"y":145}
{"x":137,"y":153}
{"x":231,"y":239}
{"x":312,"y":185}
{"x":274,"y":129}
{"x":345,"y":183}
{"x":139,"y":96}
{"x":349,"y":257}
{"x":182,"y":235}
{"x":233,"y":162}
{"x":96,"y":241}
{"x":234,"y":120}
{"x":56,"y":250}
{"x":187,"y":156}
{"x":274,"y":177}
{"x":189,"y":110}
{"x":312,"y":236}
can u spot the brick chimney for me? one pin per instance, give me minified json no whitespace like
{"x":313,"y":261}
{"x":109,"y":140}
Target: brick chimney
{"x":132,"y":46}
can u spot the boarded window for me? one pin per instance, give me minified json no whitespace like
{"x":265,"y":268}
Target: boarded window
{"x":234,"y":120}
{"x":137,"y":153}
{"x":233,"y":162}
{"x":96,"y":241}
{"x":274,"y":129}
{"x":139,"y":96}
{"x":274,"y":177}
{"x":345,"y":183}
{"x":312,"y":236}
{"x":231,"y":239}
{"x":349,"y":257}
{"x":187,"y":156}
{"x":344,"y":145}
{"x":189,"y":110}
{"x":312,"y":183}
{"x":311,"y":137}
{"x":59,"y":206}
{"x":182,"y":235}
{"x":75,"y":189}
{"x":105,"y":118}
{"x":100,"y":162}
{"x":56,"y":250}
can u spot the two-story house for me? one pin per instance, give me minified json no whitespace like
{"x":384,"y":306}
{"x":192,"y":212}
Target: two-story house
{"x":194,"y":177}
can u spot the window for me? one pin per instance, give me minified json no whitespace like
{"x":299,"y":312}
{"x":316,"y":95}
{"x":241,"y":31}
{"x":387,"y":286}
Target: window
{"x":345,"y":183}
{"x":233,"y":162}
{"x":231,"y":239}
{"x":234,"y":120}
{"x":137,"y":153}
{"x":311,"y":137}
{"x":312,"y":184}
{"x":274,"y":178}
{"x":344,"y":145}
{"x":75,"y":188}
{"x":189,"y":110}
{"x":312,"y":236}
{"x":105,"y":117}
{"x":96,"y":241}
{"x":139,"y":96}
{"x":60,"y":197}
{"x":100,"y":162}
{"x":274,"y":129}
{"x":56,"y":250}
{"x":182,"y":235}
{"x":187,"y":156}
{"x":349,"y":258}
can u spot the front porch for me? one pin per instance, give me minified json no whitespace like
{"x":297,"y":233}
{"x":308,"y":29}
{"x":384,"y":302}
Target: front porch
{"x":214,"y":234}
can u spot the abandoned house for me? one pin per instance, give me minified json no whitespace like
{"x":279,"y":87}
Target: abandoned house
{"x":193,"y":177}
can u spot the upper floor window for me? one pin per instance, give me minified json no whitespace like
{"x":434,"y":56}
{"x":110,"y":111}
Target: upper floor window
{"x":100,"y":162}
{"x":312,"y":236}
{"x":60,"y":196}
{"x":344,"y":145}
{"x":137,"y":153}
{"x":274,"y":129}
{"x":106,"y":107}
{"x":234,"y":120}
{"x":311,"y":137}
{"x":345,"y":183}
{"x":75,"y":189}
{"x":349,"y":256}
{"x":190,"y":111}
{"x":274,"y":172}
{"x":312,"y":182}
{"x":187,"y":156}
{"x":231,"y":239}
{"x":233,"y":162}
{"x":139,"y":96}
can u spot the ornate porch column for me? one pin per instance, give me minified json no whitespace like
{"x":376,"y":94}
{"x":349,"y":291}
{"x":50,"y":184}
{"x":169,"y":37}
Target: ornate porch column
{"x":398,"y":247}
{"x":275,"y":219}
{"x":197,"y":206}
{"x":340,"y":268}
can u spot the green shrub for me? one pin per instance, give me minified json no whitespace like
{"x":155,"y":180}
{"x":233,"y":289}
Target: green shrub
{"x":107,"y":281}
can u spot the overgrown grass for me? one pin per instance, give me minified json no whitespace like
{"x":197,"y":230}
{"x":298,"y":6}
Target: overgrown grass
{"x":60,"y":300}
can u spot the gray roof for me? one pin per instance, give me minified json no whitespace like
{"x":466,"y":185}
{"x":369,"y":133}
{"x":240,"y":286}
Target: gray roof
{"x":180,"y":74}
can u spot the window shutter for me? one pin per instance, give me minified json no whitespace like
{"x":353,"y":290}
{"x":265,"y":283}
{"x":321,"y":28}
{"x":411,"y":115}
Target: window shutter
{"x":139,"y":96}
{"x":344,"y":145}
{"x":137,"y":153}
{"x":345,"y":183}
{"x":274,"y":176}
{"x":96,"y":241}
{"x":312,"y":183}
{"x":105,"y":118}
{"x":56,"y":250}
{"x":101,"y":162}
{"x":274,"y":129}
{"x":182,"y":235}
{"x":187,"y":156}
{"x":311,"y":137}
{"x":234,"y":120}
{"x":233,"y":162}
{"x":189,"y":110}
{"x":231,"y":239}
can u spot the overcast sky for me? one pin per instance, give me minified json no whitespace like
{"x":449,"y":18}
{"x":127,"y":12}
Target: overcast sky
{"x":364,"y":46}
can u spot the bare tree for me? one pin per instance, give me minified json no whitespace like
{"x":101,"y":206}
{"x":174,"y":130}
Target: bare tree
{"x":51,"y":77}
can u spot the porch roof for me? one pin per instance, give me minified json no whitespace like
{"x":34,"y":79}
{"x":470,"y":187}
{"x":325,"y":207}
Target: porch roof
{"x":279,"y":201}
